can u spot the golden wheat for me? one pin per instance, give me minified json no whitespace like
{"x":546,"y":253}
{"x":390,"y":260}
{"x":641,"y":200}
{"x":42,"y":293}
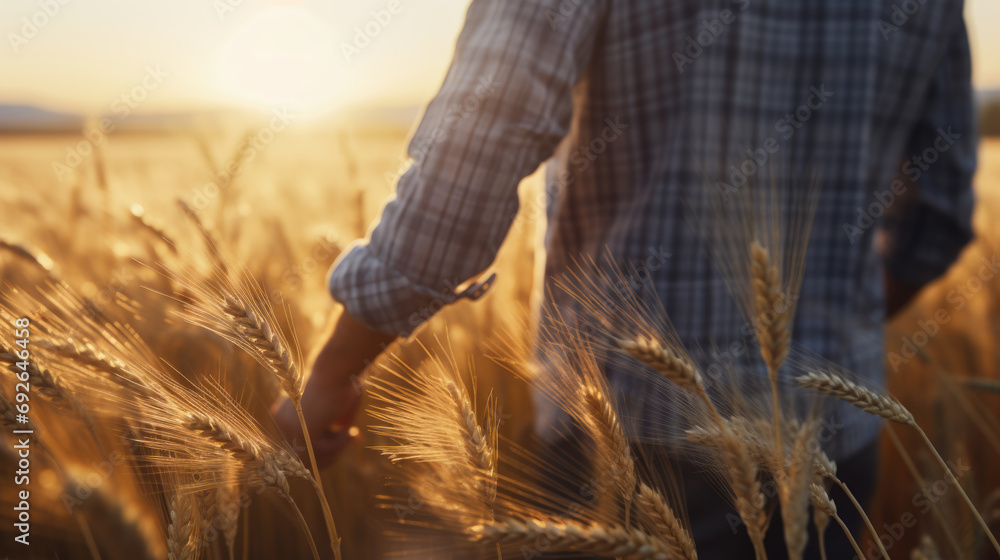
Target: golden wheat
{"x":865,"y":399}
{"x":568,"y":536}
{"x":664,"y":523}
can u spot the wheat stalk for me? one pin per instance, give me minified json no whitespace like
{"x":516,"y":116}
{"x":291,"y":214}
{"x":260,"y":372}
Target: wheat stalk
{"x":270,"y":349}
{"x":139,"y":217}
{"x":824,"y":510}
{"x":250,"y":327}
{"x":270,"y":468}
{"x":213,"y":246}
{"x":663,"y":522}
{"x":925,"y":490}
{"x":987,"y":385}
{"x":890,"y":409}
{"x":613,"y":541}
{"x":824,"y":467}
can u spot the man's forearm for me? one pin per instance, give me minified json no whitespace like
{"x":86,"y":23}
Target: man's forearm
{"x":334,"y":383}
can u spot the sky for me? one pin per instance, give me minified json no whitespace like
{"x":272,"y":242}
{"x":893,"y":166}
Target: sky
{"x":179,"y":55}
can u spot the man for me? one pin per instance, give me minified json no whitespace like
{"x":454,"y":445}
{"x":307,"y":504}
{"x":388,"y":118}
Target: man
{"x":644,"y":104}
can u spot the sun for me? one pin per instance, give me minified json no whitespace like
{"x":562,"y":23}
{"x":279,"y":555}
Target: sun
{"x":283,"y":56}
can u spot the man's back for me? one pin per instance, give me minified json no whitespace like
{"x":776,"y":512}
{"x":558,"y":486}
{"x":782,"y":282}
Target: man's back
{"x":650,"y":106}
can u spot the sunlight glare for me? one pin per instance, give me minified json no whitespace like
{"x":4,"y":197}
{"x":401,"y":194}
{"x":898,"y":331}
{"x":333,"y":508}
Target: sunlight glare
{"x":284,"y":56}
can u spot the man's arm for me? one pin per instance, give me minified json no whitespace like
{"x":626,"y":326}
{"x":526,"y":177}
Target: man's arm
{"x":333,"y":389}
{"x":505,"y":105}
{"x":927,"y":234}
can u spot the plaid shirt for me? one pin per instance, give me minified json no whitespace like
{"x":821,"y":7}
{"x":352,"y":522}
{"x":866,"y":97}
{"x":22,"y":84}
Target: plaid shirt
{"x":634,"y":103}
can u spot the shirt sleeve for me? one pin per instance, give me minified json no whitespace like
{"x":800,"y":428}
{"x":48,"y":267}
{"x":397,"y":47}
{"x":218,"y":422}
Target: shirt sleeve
{"x":927,"y":236}
{"x":504,"y":106}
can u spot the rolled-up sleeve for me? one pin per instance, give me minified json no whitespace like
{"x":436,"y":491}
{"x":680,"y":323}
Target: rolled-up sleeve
{"x":503,"y":108}
{"x":927,"y":237}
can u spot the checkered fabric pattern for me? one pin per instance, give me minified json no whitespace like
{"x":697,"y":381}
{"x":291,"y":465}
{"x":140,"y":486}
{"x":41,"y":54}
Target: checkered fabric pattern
{"x":641,"y":107}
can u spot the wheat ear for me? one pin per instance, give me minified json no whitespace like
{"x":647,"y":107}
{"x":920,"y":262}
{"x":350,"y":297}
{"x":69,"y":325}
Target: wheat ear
{"x":824,"y":506}
{"x":51,"y":386}
{"x":182,"y":540}
{"x":674,"y":367}
{"x":890,"y":409}
{"x":477,"y":445}
{"x":861,"y":397}
{"x":269,"y":468}
{"x":823,"y":509}
{"x":793,"y":485}
{"x":664,"y":522}
{"x":774,"y":334}
{"x":613,"y":541}
{"x":604,"y":420}
{"x":824,"y":467}
{"x":272,"y":352}
{"x":742,"y":471}
{"x":269,"y":348}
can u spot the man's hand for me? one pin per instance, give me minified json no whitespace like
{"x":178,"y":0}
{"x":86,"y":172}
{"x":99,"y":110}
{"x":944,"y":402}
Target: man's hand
{"x":333,"y":392}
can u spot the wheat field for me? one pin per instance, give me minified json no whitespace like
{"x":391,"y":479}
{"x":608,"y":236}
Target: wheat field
{"x":156,"y":355}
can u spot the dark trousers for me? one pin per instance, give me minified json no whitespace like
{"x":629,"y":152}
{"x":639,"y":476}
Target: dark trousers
{"x":718,"y":531}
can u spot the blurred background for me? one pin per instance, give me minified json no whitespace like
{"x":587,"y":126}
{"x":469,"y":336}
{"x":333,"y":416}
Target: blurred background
{"x":284,"y":124}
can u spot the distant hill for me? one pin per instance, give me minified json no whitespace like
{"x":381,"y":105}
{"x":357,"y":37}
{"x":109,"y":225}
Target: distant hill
{"x":26,"y":118}
{"x":29,"y":118}
{"x":988,"y":103}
